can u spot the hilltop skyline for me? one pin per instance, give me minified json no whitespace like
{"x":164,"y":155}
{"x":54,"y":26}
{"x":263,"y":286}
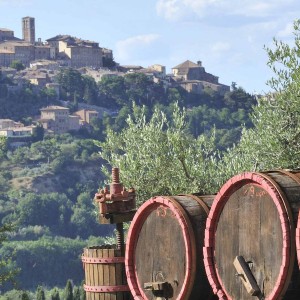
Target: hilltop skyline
{"x":227,"y":37}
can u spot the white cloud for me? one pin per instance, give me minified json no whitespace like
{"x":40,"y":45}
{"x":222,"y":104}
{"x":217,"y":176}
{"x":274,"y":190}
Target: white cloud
{"x":169,"y":9}
{"x":177,"y":9}
{"x":135,"y":47}
{"x":180,"y":9}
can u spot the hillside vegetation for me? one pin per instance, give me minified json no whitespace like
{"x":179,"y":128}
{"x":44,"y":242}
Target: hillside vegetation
{"x":47,"y":187}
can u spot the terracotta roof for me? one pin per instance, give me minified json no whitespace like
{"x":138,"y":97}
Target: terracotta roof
{"x":6,"y":120}
{"x":59,"y":37}
{"x":54,"y":107}
{"x":70,"y":39}
{"x":17,"y":43}
{"x":86,"y":110}
{"x":5,"y":29}
{"x":187,"y":64}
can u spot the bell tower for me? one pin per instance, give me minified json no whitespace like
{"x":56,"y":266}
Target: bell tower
{"x":28,"y":26}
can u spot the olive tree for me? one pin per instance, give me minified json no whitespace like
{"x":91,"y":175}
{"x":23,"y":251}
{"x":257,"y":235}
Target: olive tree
{"x":274,"y":141}
{"x":159,"y":157}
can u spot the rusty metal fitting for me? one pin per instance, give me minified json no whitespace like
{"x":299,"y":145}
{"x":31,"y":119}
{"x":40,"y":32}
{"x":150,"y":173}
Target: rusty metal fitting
{"x":117,"y":199}
{"x":115,"y":175}
{"x":116,"y":186}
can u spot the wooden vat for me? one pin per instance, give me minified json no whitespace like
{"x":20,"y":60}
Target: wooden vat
{"x":164,"y":257}
{"x":104,"y":274}
{"x":250,"y":237}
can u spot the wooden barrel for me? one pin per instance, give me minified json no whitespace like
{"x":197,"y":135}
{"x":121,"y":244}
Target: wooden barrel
{"x":104,"y":274}
{"x":164,"y":258}
{"x":250,"y":237}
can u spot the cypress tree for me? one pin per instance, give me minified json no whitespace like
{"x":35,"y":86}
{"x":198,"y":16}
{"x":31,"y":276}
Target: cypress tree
{"x":76,"y":295}
{"x":69,"y":291}
{"x":55,"y":294}
{"x":40,"y":294}
{"x":24,"y":296}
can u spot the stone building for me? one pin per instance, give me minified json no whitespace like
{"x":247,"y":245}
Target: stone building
{"x":15,"y":50}
{"x":56,"y":120}
{"x":107,"y":53}
{"x":66,"y":50}
{"x":79,"y":52}
{"x":22,"y":51}
{"x":191,"y":71}
{"x":12,"y":48}
{"x":74,"y":122}
{"x":8,"y":123}
{"x":193,"y":78}
{"x":41,"y":79}
{"x":160,"y":70}
{"x":28,"y":30}
{"x":26,"y":131}
{"x":6,"y":35}
{"x":42,"y":52}
{"x":86,"y":115}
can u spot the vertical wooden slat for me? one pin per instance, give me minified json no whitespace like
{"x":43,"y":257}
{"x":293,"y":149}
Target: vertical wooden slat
{"x":87,"y":272}
{"x":118,"y":275}
{"x":112,"y":274}
{"x":91,"y":273}
{"x":95,"y":275}
{"x":106,"y":274}
{"x":101,"y":296}
{"x":94,"y":271}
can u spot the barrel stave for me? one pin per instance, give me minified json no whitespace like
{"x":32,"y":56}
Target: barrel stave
{"x":254,"y":215}
{"x":165,"y":245}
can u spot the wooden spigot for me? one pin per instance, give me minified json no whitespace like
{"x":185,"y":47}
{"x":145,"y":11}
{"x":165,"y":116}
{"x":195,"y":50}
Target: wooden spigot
{"x":245,"y":274}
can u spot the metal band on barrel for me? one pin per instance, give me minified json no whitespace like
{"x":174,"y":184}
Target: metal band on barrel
{"x":106,"y":260}
{"x":106,"y":288}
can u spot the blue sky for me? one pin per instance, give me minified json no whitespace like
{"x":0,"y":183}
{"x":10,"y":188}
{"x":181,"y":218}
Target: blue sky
{"x":227,"y":36}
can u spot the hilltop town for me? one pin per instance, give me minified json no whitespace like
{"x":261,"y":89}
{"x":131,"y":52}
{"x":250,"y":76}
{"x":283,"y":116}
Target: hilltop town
{"x":93,"y":60}
{"x":41,"y":62}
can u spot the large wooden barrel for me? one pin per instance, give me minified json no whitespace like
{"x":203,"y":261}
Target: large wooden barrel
{"x":104,"y":273}
{"x":250,"y":237}
{"x":164,"y":256}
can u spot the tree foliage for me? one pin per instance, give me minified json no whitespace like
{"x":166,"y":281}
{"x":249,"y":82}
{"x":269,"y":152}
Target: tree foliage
{"x":38,"y":260}
{"x":55,"y":294}
{"x":76,"y":295}
{"x":68,"y":291}
{"x":40,"y":294}
{"x":273,"y":142}
{"x":7,"y":269}
{"x":24,"y":296}
{"x":71,"y":83}
{"x":3,"y":146}
{"x":18,"y":65}
{"x":160,"y":157}
{"x":108,"y":62}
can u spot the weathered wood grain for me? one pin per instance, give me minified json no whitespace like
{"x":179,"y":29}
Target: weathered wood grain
{"x":165,"y":237}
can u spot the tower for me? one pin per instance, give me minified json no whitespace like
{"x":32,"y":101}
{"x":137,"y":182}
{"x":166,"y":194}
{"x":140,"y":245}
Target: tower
{"x":28,"y":27}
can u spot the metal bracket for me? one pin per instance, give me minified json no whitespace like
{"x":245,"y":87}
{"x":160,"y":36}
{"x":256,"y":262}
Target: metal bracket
{"x":156,"y":286}
{"x":107,"y":260}
{"x":106,"y":288}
